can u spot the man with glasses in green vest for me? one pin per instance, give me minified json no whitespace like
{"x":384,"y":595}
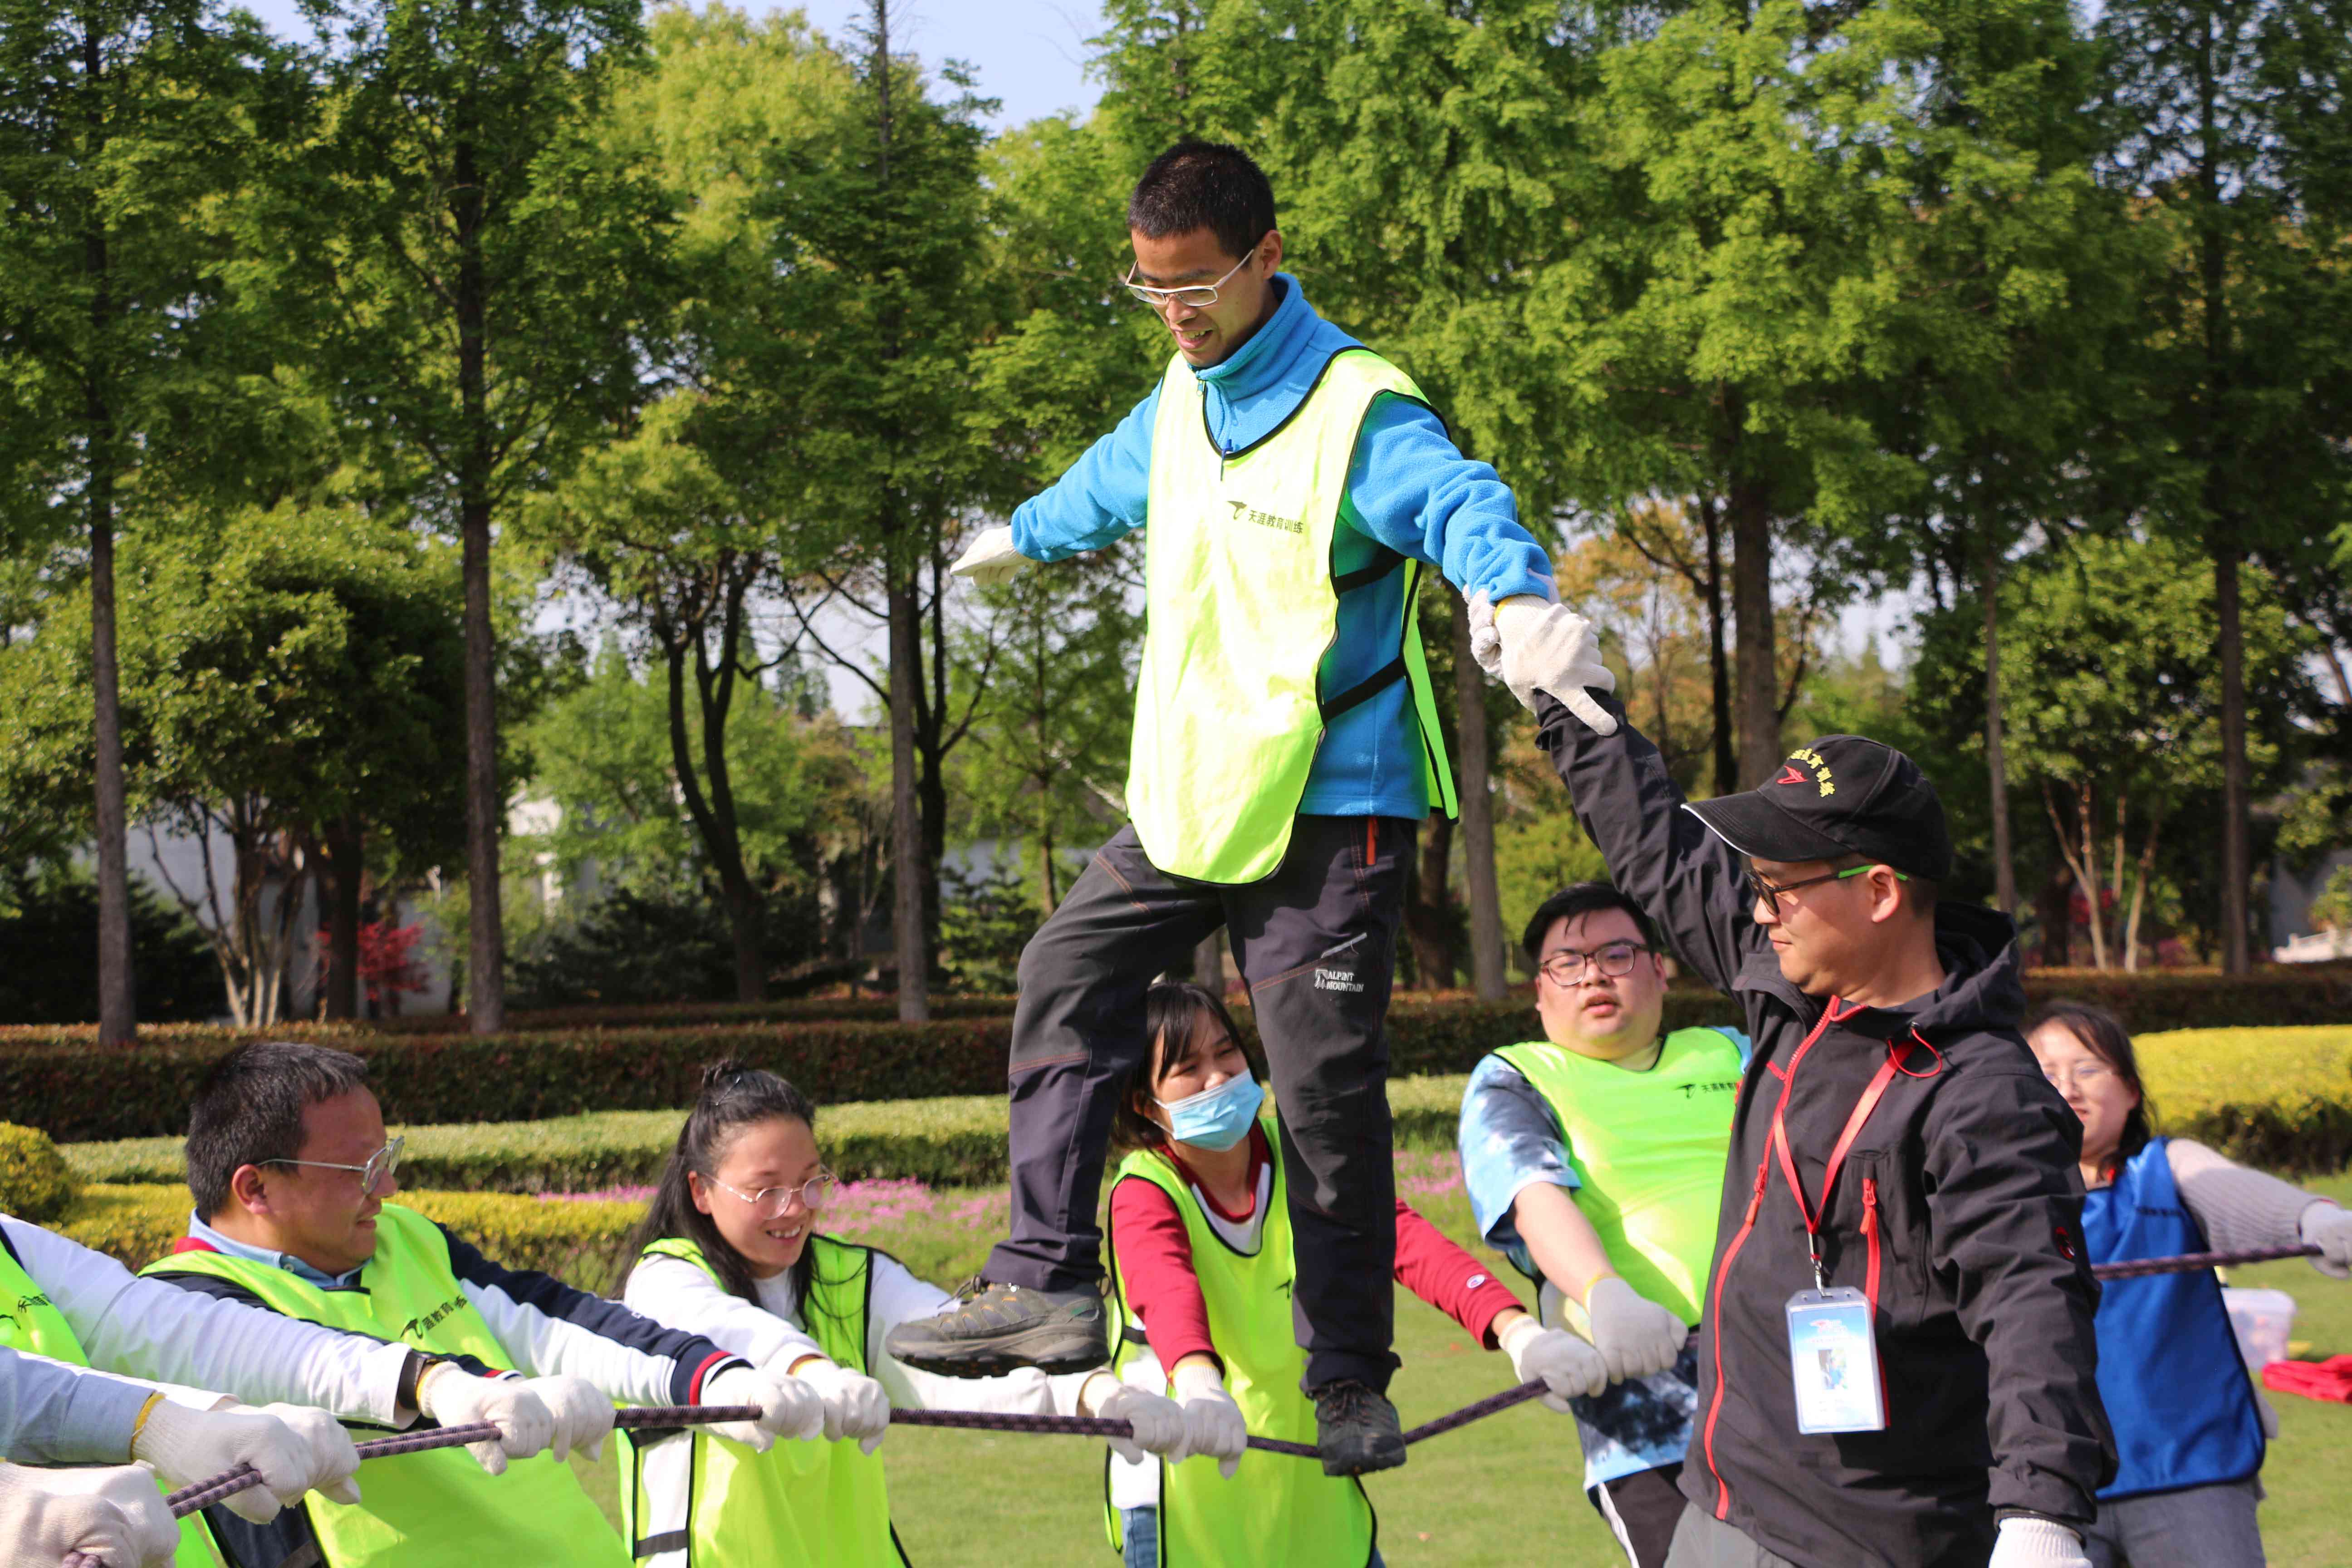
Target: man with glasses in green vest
{"x":1595,"y":1161}
{"x":1296,"y":485}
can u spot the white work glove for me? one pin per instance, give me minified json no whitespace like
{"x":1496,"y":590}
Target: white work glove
{"x":855,"y":1406}
{"x":2329,"y":1228}
{"x":1160,"y":1424}
{"x":2037,"y":1543}
{"x":583,"y":1414}
{"x":453,"y":1396}
{"x":115,"y":1514}
{"x":1213,"y":1421}
{"x":1634,"y":1335}
{"x":788,"y":1407}
{"x":1532,"y":646}
{"x":1566,"y":1364}
{"x":991,"y":558}
{"x":189,"y":1446}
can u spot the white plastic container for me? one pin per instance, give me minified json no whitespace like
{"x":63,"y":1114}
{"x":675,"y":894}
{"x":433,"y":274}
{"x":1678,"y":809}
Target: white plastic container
{"x":2263,"y":1321}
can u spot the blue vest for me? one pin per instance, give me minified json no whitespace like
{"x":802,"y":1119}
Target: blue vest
{"x":2175,"y":1387}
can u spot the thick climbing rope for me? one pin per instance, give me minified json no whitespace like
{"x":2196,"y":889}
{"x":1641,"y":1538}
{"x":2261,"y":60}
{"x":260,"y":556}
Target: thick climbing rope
{"x":2188,"y":1262}
{"x":189,"y":1499}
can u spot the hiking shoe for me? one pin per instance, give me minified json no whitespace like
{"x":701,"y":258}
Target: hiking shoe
{"x":1357,"y":1429}
{"x":1000,"y":1328}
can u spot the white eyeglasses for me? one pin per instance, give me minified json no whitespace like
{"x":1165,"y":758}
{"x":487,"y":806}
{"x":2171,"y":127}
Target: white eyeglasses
{"x":380,"y":1166}
{"x":1198,"y":296}
{"x":770,"y":1202}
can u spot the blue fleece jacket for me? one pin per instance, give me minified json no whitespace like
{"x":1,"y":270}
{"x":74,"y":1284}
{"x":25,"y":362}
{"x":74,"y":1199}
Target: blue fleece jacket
{"x":1408,"y":488}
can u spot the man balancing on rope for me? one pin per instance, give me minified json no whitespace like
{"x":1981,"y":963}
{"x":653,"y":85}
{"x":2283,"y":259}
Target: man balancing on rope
{"x":290,"y":1167}
{"x":1296,"y":486}
{"x":1896,"y":1360}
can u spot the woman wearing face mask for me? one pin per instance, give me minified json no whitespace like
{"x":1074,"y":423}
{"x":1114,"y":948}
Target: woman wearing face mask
{"x":2188,"y":1426}
{"x":729,"y":1243}
{"x":1201,"y":1272}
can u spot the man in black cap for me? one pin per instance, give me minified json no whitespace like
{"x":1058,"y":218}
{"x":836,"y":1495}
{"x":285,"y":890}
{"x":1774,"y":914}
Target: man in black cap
{"x":1896,"y":1359}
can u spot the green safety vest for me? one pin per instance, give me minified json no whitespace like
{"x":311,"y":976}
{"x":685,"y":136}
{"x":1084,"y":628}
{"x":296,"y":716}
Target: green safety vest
{"x":799,"y":1505}
{"x":436,"y":1509}
{"x":31,"y":1325}
{"x":1241,"y":606}
{"x":1649,"y":1150}
{"x":1277,"y":1510}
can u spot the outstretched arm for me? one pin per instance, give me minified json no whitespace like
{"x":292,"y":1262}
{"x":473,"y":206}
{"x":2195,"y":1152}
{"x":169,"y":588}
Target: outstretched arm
{"x":1102,"y":497}
{"x":1410,"y":488}
{"x":1660,"y":855}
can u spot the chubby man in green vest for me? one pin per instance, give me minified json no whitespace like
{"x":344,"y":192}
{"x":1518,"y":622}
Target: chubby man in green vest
{"x":1594,"y":1160}
{"x":292,"y":1171}
{"x":1295,"y":487}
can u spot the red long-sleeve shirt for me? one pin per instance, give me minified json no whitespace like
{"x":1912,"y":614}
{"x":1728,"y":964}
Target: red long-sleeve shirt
{"x":1155,"y":1261}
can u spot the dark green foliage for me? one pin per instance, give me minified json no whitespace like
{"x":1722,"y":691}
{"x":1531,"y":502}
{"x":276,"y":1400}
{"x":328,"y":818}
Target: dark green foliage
{"x":654,"y":945}
{"x":985,"y":923}
{"x":48,"y":929}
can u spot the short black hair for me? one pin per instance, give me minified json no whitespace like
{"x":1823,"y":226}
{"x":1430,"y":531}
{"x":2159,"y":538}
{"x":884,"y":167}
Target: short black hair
{"x":249,"y":1109}
{"x":1203,"y":184}
{"x":1575,"y":901}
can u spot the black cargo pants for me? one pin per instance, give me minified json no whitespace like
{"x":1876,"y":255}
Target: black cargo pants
{"x":1316,"y":943}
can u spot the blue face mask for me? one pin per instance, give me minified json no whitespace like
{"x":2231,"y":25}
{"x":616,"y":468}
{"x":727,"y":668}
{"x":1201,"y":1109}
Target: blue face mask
{"x":1215,"y":1118}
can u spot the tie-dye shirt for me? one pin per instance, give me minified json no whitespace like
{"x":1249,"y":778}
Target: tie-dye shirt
{"x":1510,"y":1140}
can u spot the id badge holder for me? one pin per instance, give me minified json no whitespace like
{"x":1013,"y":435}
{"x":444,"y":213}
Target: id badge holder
{"x":1833,"y":1354}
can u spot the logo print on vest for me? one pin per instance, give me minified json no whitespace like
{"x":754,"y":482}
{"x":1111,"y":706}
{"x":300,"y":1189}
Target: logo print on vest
{"x":1244,"y":512}
{"x":432,"y":1320}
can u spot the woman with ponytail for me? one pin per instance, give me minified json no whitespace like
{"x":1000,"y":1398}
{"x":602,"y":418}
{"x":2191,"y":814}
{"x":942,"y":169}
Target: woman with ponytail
{"x":729,"y":1246}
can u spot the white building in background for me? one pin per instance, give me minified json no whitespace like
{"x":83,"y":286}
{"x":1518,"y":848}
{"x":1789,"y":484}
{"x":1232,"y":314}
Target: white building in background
{"x":2290,"y":912}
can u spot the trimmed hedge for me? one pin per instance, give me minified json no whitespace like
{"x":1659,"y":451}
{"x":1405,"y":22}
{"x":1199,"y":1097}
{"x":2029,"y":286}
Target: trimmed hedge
{"x":35,"y":1181}
{"x":2280,"y":1099}
{"x":578,"y":1241}
{"x":63,"y":1081}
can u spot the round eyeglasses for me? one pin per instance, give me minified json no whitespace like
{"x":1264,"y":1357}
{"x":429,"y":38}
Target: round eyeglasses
{"x":770,"y":1202}
{"x":380,"y":1167}
{"x":1613,"y":960}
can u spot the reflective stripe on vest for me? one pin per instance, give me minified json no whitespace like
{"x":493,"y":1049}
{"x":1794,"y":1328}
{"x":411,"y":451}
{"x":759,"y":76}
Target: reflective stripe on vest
{"x":1277,"y":1508}
{"x":1649,"y":1148}
{"x":692,"y":1498}
{"x":1241,"y":609}
{"x":436,"y":1509}
{"x":2176,"y":1391}
{"x":31,"y":1325}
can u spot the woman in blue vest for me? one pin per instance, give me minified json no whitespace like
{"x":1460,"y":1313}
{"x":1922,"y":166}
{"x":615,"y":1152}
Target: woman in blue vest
{"x":730,"y":1242}
{"x":2188,"y":1424}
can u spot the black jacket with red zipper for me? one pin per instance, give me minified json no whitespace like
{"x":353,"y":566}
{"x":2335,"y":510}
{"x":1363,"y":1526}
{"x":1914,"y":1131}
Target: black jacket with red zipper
{"x":1959,"y":1208}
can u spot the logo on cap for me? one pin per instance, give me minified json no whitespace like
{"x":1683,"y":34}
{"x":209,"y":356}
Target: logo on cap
{"x":1790,"y":774}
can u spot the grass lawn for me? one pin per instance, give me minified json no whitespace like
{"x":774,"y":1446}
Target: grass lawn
{"x":1471,"y":1498}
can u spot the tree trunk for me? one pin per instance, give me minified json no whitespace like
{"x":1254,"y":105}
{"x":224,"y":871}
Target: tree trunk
{"x":1429,"y":920}
{"x":1751,"y":613}
{"x":118,"y":999}
{"x":907,"y":922}
{"x":2237,"y":871}
{"x":485,"y":809}
{"x":2053,"y":910}
{"x":1209,"y":964}
{"x":1719,"y":662}
{"x":1477,"y":815}
{"x":342,"y":869}
{"x":2004,"y":864}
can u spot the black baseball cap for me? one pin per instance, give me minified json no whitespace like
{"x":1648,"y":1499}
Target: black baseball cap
{"x":1842,"y":795}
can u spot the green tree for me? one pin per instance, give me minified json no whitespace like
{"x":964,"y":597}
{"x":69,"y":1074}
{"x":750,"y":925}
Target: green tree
{"x":289,"y":681}
{"x":2234,"y":145}
{"x":476,"y":266}
{"x":2116,"y":709}
{"x":121,"y":127}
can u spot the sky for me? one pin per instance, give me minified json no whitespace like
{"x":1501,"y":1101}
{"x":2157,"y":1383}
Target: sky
{"x":1029,"y":53}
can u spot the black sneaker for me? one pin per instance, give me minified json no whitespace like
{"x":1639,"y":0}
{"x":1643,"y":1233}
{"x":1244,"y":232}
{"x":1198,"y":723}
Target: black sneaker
{"x":1003,"y":1327}
{"x":1357,"y":1429}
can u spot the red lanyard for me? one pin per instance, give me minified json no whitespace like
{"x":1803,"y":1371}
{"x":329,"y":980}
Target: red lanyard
{"x":1896,"y":1052}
